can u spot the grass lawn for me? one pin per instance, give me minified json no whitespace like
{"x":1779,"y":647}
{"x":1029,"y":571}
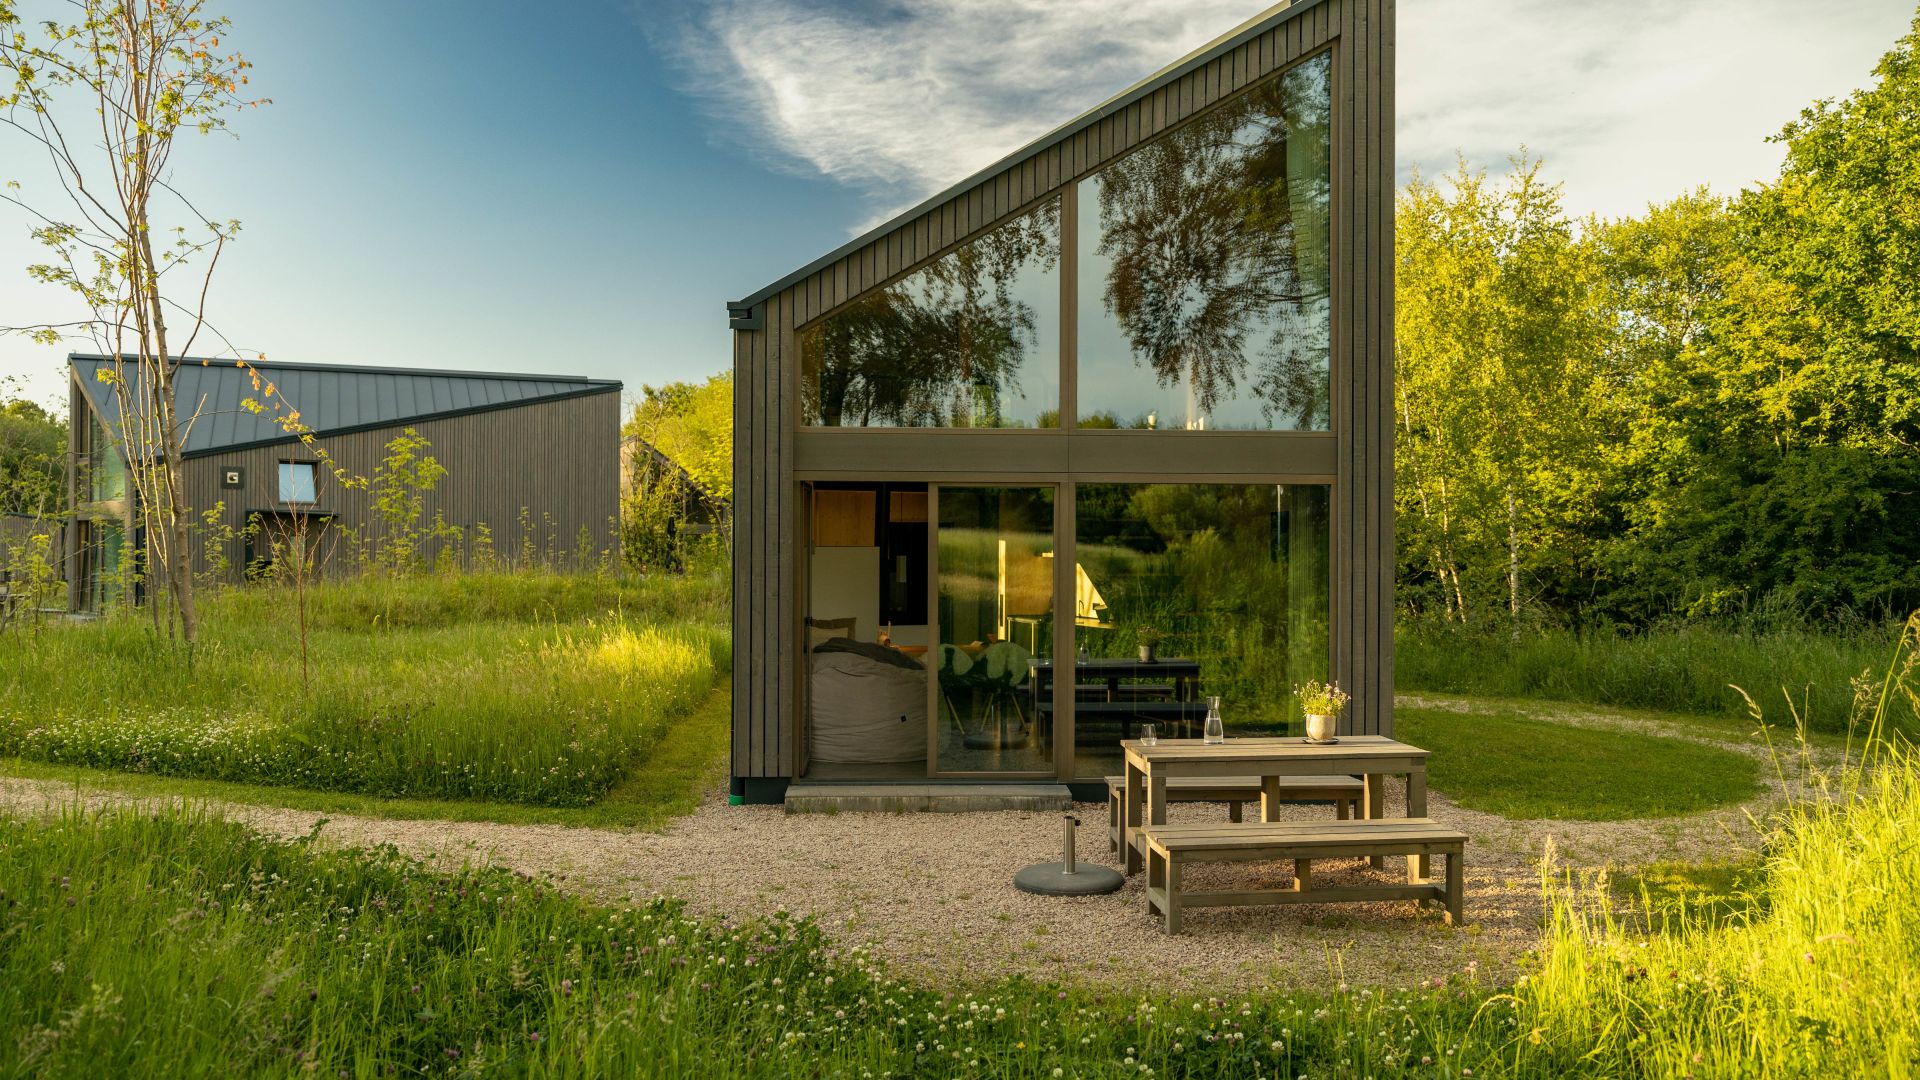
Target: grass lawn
{"x":172,"y":944}
{"x":1520,"y":767}
{"x":537,"y":689}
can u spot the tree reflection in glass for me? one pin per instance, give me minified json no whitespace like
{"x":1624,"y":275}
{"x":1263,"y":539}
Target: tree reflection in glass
{"x":1204,"y":269}
{"x":971,"y":340}
{"x":1235,"y":578}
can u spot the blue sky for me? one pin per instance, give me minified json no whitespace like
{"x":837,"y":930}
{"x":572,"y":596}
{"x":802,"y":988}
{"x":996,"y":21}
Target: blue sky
{"x":578,"y":186}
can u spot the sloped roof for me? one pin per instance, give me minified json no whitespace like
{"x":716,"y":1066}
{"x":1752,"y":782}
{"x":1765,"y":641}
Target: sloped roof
{"x":332,"y":398}
{"x":1280,"y":13}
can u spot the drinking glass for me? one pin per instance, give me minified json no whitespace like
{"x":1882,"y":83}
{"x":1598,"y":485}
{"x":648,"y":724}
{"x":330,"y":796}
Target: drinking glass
{"x":1147,"y":736}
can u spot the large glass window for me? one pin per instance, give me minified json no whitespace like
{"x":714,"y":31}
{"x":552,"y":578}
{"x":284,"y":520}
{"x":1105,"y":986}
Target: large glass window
{"x":1204,"y":269}
{"x":972,"y":340}
{"x":995,"y":611}
{"x":1229,"y":585}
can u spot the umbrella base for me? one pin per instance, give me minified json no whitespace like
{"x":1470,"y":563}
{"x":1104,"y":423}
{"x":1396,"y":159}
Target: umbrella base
{"x":1052,"y":879}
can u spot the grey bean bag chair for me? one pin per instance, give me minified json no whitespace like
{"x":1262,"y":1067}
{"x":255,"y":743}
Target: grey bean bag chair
{"x":869,"y":705}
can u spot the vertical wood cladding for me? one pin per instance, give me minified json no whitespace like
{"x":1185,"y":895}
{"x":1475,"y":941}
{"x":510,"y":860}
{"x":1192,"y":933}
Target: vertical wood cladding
{"x":558,"y":460}
{"x":768,"y":546}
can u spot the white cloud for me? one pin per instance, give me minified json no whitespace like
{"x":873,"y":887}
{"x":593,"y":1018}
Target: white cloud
{"x":902,"y":99}
{"x":1629,"y":100}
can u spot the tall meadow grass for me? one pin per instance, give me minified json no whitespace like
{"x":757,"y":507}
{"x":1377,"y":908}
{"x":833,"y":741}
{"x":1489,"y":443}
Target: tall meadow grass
{"x":540,"y":689}
{"x":1687,"y":669}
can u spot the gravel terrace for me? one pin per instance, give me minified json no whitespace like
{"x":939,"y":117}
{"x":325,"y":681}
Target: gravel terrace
{"x":933,"y":893}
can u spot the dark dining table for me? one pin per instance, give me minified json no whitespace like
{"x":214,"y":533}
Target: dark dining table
{"x":1181,"y":674}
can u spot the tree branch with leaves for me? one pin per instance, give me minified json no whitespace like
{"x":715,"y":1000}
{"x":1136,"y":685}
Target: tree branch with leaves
{"x":102,"y":97}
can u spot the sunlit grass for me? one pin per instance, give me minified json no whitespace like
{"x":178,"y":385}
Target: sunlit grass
{"x":542,"y":689}
{"x":1521,"y":767}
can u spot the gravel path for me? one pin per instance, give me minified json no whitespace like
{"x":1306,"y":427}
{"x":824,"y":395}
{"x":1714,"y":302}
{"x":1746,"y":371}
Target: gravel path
{"x":933,"y":893}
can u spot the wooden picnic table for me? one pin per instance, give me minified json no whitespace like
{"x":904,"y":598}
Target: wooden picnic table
{"x":1371,"y":757}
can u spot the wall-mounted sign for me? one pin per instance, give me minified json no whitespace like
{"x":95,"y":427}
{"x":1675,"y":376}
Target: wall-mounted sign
{"x":233,"y":477}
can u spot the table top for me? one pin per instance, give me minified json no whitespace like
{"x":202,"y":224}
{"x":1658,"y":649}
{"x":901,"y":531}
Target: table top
{"x":1269,"y":748}
{"x":1124,"y":666}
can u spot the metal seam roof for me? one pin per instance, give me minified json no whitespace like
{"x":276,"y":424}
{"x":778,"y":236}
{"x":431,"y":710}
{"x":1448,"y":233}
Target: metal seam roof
{"x":331,"y":398}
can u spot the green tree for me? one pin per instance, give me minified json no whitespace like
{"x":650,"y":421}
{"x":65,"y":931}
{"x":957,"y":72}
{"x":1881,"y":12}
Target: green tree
{"x":1497,"y":377}
{"x":102,"y":99}
{"x":1765,"y":366}
{"x":33,"y":446}
{"x":399,"y":489}
{"x":691,"y":423}
{"x":679,"y":460}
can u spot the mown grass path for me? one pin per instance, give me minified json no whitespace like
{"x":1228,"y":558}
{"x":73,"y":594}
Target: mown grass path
{"x":931,"y":891}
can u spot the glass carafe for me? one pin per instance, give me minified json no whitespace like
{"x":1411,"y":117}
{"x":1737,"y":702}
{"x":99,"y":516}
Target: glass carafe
{"x":1216,"y":731}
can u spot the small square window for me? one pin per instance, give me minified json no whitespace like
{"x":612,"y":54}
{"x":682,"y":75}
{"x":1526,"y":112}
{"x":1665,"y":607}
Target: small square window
{"x":233,"y":477}
{"x":299,"y":482}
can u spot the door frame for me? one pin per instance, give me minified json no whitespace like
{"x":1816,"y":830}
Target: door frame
{"x":1063,"y":558}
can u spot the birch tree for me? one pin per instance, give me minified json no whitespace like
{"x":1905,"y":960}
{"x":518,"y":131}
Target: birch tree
{"x":1498,"y":344}
{"x":102,"y":96}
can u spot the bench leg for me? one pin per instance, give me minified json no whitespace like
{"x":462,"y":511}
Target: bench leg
{"x":1173,"y":893}
{"x":1156,"y":879}
{"x":1233,"y":812}
{"x":1270,"y":798}
{"x":1302,"y":875}
{"x":1419,"y":867}
{"x":1340,"y":808}
{"x":1133,"y":817}
{"x":1456,"y":888}
{"x":1376,"y":808}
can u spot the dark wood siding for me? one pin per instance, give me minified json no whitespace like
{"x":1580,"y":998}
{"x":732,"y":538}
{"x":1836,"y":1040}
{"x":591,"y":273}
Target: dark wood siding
{"x":1356,"y":455}
{"x":556,"y":460}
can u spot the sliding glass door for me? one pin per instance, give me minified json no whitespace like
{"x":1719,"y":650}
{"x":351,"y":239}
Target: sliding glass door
{"x":993,"y":622}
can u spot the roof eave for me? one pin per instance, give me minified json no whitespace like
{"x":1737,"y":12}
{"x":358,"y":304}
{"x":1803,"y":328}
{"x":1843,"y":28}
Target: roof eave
{"x":745,"y":314}
{"x":360,"y":369}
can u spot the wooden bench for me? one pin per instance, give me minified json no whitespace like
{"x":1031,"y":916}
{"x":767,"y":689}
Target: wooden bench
{"x":1344,"y":792}
{"x":1170,"y":847}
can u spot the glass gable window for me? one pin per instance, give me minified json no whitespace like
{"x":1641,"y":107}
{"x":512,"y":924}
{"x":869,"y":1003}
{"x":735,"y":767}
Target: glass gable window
{"x":971,"y":341}
{"x":1229,"y":585}
{"x":107,"y":470}
{"x":1204,"y":269}
{"x":298,"y":482}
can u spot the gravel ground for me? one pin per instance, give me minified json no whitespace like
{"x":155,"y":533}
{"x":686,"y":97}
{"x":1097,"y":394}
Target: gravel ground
{"x":933,"y":892}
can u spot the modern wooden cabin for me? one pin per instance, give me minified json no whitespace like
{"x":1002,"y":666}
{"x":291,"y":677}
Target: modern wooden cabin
{"x":535,"y":459}
{"x":1128,"y":387}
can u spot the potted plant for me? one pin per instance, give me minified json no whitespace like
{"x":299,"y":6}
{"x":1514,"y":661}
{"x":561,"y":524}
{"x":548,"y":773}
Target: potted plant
{"x":1147,"y":637}
{"x":1323,"y":705}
